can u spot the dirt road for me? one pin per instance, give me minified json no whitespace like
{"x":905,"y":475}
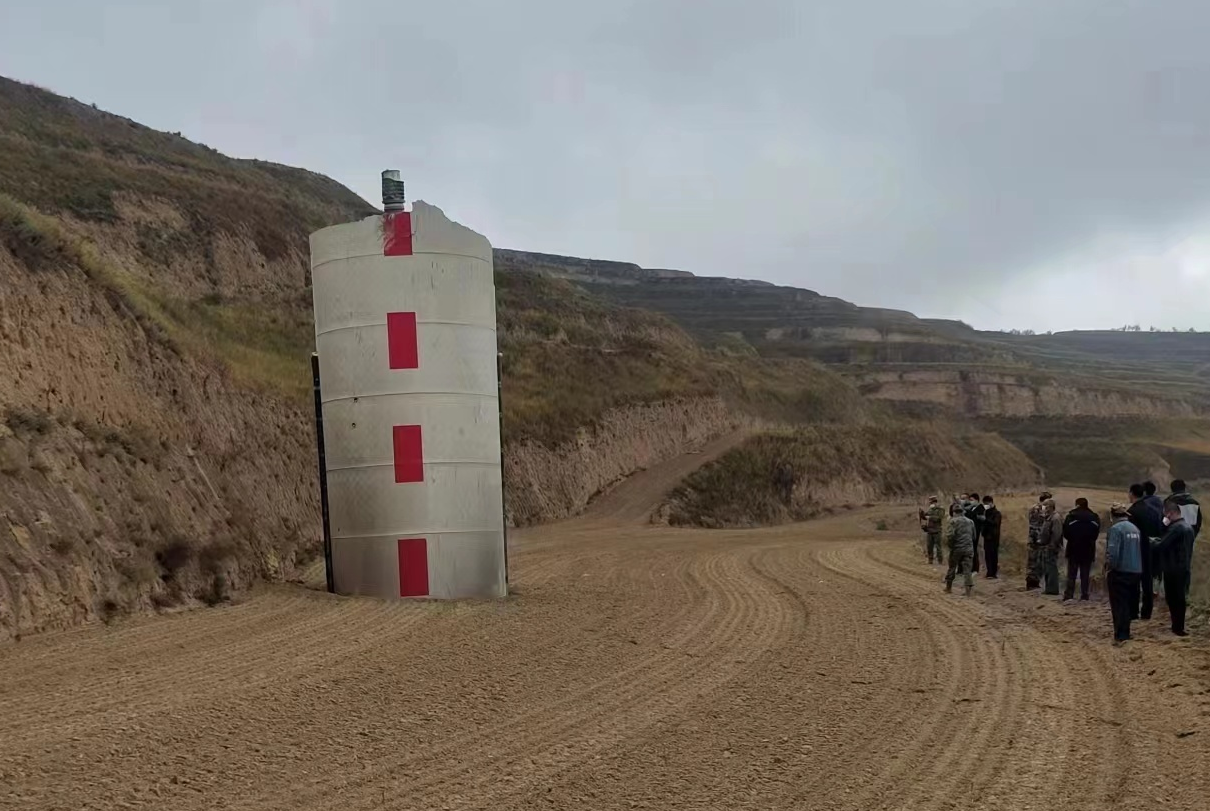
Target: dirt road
{"x":816,"y":666}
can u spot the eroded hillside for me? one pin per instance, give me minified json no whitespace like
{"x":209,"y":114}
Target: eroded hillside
{"x":157,"y":448}
{"x":935,"y":369}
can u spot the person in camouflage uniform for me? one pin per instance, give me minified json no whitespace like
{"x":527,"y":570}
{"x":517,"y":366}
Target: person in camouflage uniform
{"x":1051,"y":542}
{"x":960,"y":539}
{"x":1037,"y":518}
{"x":931,"y":521}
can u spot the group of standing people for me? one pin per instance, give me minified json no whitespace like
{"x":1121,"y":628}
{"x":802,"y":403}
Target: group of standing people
{"x":1148,"y":545}
{"x":971,"y":520}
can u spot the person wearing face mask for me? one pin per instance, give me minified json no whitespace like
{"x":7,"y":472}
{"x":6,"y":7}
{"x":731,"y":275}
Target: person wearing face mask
{"x":1052,"y":545}
{"x":1191,"y":511}
{"x":1173,"y":554}
{"x":991,"y":537}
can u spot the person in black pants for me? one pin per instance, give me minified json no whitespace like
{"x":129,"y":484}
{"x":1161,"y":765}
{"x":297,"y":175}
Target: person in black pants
{"x":974,"y":511}
{"x":1081,"y":529}
{"x":1123,"y":566}
{"x":991,"y":537}
{"x":1150,"y":523}
{"x":1172,"y":554}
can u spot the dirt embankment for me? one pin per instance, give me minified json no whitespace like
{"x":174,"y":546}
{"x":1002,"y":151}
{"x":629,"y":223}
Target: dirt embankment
{"x":793,"y":475}
{"x":545,"y":483}
{"x":138,"y":475}
{"x":989,"y":394}
{"x":131,"y":476}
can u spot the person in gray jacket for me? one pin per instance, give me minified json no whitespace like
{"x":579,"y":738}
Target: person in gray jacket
{"x":1123,"y":568}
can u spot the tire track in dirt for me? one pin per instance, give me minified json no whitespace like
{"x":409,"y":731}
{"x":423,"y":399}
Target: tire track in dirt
{"x":596,"y":716}
{"x":234,"y":694}
{"x":1055,"y":694}
{"x":1052,"y":678}
{"x":244,"y":665}
{"x":816,"y":710}
{"x":873,"y":739}
{"x":986,"y":700}
{"x":697,"y":572}
{"x":796,"y":667}
{"x":745,"y":611}
{"x":526,"y":789}
{"x":943,"y":737}
{"x":40,"y":658}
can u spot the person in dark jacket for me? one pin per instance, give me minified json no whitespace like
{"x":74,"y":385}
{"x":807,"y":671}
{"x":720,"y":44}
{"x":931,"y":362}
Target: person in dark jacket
{"x":1191,"y":511}
{"x":974,"y":511}
{"x":1153,"y":501}
{"x":1081,"y":529}
{"x":1172,"y":557}
{"x":1150,"y":523}
{"x":991,"y":537}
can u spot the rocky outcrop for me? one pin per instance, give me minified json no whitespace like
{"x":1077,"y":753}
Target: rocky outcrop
{"x":1000,"y":394}
{"x":544,"y":483}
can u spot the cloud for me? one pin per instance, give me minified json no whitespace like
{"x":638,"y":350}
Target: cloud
{"x":961,"y":158}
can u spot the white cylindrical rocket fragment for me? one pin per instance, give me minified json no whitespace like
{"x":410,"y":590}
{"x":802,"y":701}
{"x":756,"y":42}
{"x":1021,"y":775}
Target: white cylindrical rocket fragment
{"x":405,"y":329}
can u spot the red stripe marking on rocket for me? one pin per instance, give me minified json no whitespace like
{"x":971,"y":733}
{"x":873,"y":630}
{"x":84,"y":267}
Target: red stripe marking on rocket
{"x":413,"y":567}
{"x":397,"y":233}
{"x":402,"y":349}
{"x":409,"y":454}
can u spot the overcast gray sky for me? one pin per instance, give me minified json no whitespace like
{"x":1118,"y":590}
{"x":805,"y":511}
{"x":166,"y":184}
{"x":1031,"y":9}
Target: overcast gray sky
{"x":1027,"y":163}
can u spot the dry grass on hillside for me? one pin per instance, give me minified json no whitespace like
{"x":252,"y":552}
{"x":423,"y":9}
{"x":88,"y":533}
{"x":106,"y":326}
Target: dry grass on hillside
{"x":571,"y":356}
{"x":263,"y":347}
{"x":60,"y":155}
{"x":1106,"y":452}
{"x":842,"y":466}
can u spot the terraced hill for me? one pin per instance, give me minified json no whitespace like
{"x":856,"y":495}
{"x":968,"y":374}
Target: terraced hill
{"x":1090,"y":407}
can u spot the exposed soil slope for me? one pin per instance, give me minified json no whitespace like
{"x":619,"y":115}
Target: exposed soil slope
{"x":810,"y":666}
{"x":831,"y":466}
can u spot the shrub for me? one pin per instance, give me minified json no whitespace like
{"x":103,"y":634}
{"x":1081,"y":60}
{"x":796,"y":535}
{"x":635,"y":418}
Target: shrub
{"x":64,"y":546}
{"x":110,"y":610}
{"x":28,"y":420}
{"x":216,"y":592}
{"x":164,"y":599}
{"x":175,"y":555}
{"x":138,"y":570}
{"x":215,"y":555}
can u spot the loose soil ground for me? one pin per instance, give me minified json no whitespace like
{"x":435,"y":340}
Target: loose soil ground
{"x":816,"y":666}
